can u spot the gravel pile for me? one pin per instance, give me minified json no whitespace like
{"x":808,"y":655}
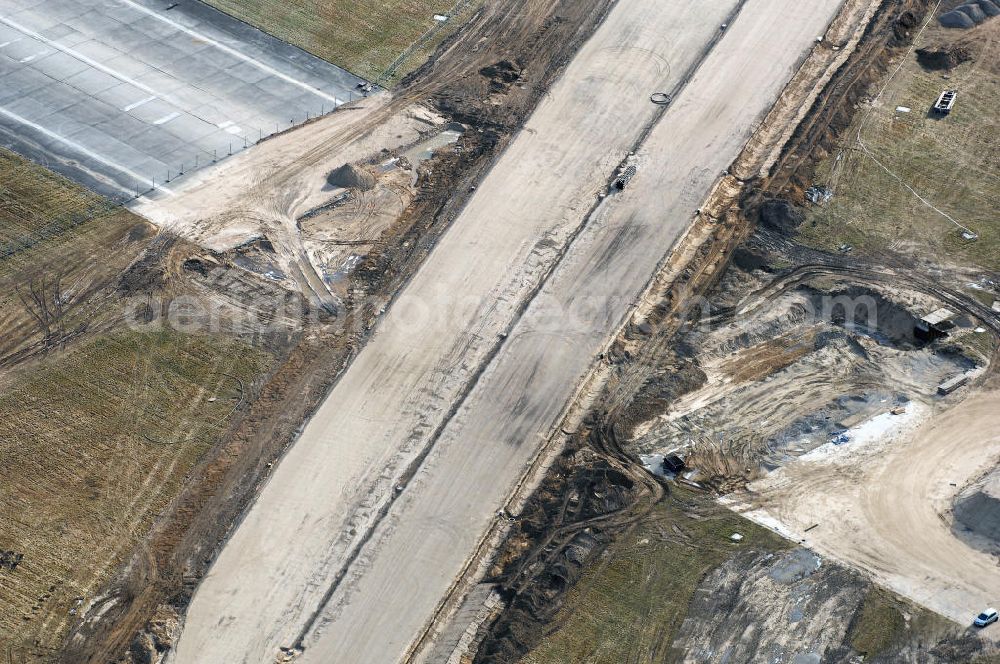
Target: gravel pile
{"x":973,"y":11}
{"x":979,"y":509}
{"x":956,"y":19}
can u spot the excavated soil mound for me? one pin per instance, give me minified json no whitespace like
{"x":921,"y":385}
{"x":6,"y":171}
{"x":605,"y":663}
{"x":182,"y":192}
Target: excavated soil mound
{"x":978,"y":509}
{"x":780,"y":215}
{"x":974,"y":12}
{"x":944,"y":58}
{"x":501,"y":75}
{"x":956,"y":19}
{"x":351,"y":177}
{"x":989,"y":7}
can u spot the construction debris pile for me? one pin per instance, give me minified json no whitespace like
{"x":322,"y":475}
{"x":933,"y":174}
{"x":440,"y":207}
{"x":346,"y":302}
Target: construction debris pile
{"x":9,"y":560}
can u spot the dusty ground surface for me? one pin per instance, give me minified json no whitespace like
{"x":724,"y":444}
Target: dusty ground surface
{"x":778,"y":382}
{"x":884,"y":505}
{"x":487,"y":77}
{"x":549,"y":350}
{"x":263,"y":193}
{"x":936,"y":448}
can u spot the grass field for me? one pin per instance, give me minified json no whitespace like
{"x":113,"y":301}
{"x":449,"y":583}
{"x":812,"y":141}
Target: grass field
{"x":94,"y":443}
{"x":62,"y":243}
{"x":953,"y":162}
{"x":99,"y":427}
{"x":628,"y":607}
{"x":880,"y":623}
{"x":362,"y":36}
{"x":36,"y":204}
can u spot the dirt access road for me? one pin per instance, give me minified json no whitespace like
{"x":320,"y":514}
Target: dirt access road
{"x":885,"y":505}
{"x":332,"y":555}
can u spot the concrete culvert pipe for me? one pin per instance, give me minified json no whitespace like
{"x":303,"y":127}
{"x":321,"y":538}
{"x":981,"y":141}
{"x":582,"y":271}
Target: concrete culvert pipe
{"x":974,"y":12}
{"x":661,"y":98}
{"x":989,"y":7}
{"x":956,"y":19}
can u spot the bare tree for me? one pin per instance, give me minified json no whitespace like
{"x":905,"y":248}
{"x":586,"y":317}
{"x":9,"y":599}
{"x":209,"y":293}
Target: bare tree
{"x":46,"y":304}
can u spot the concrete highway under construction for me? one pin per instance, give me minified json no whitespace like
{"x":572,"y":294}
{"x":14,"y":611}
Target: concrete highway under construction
{"x":473,"y":364}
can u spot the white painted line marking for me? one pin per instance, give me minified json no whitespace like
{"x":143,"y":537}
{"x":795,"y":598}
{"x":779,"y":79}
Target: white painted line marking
{"x":233,"y":52}
{"x":79,"y":56}
{"x":132,"y":107}
{"x":91,"y":62}
{"x":76,"y":146}
{"x":167,"y":118}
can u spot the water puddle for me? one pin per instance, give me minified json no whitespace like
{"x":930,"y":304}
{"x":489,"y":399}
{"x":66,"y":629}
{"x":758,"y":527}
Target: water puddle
{"x":424,"y":150}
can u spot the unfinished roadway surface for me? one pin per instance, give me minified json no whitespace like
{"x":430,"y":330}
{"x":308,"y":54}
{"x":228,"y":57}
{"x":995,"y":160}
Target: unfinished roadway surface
{"x":484,"y":348}
{"x":122,"y":93}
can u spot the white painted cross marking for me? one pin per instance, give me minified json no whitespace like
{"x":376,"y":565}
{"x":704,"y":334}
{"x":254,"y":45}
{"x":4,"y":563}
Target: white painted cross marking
{"x":34,"y":55}
{"x":167,"y":118}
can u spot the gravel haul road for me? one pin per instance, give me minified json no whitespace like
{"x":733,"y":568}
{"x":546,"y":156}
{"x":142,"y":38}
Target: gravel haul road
{"x":482,"y":351}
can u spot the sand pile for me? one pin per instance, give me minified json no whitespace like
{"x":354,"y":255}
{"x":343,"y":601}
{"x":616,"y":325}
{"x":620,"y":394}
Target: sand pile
{"x":350,"y":176}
